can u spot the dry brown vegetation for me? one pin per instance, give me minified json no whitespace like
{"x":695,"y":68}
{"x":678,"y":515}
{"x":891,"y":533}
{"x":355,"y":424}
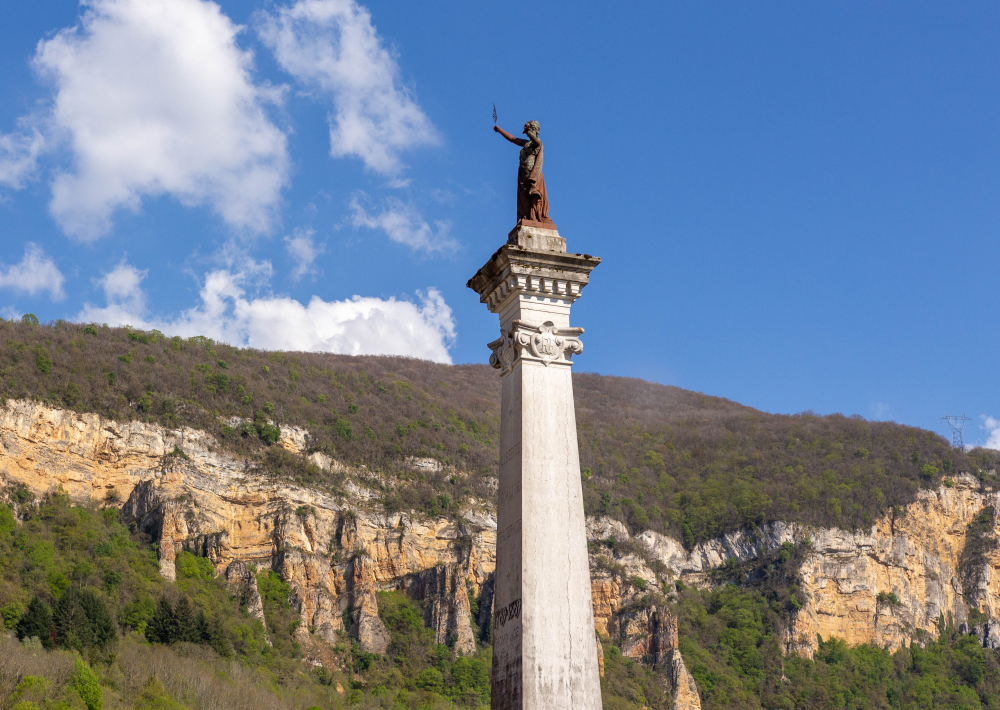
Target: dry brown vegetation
{"x":141,"y":675}
{"x":653,"y":456}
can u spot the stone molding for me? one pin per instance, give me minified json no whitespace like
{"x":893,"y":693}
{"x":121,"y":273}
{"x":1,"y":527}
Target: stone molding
{"x":543,"y":343}
{"x":537,"y":236}
{"x":514,"y":270}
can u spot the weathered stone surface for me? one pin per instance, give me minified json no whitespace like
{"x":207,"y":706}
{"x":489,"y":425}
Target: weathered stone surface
{"x":988,"y":633}
{"x":335,"y":556}
{"x":215,"y":505}
{"x":914,"y":556}
{"x":739,"y":545}
{"x":243,"y":584}
{"x":685,"y":689}
{"x":446,"y":607}
{"x":543,"y":652}
{"x":367,"y":628}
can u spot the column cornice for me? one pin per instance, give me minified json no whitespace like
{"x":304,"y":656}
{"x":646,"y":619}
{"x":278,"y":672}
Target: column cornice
{"x":514,"y":270}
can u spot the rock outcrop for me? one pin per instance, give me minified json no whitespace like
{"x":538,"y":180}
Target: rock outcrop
{"x":335,"y":551}
{"x":243,"y":584}
{"x":685,"y":690}
{"x":881,"y":586}
{"x":446,"y":606}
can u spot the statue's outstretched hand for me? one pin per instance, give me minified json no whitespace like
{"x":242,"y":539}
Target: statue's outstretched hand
{"x":496,"y":129}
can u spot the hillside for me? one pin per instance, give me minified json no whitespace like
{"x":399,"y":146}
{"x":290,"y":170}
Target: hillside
{"x":210,"y":527}
{"x":653,"y":456}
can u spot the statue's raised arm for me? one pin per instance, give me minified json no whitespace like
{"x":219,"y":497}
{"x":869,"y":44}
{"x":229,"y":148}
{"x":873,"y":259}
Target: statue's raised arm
{"x":532,"y":199}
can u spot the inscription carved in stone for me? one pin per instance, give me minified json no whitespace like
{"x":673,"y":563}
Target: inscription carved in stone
{"x":511,"y":611}
{"x":542,"y":343}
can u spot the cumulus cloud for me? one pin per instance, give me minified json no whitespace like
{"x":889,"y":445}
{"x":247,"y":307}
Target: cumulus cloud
{"x":992,"y":427}
{"x":303,"y":250}
{"x":35,"y":274}
{"x":123,"y":294}
{"x":403,"y":223}
{"x":19,"y":153}
{"x":332,"y":47}
{"x":156,"y":98}
{"x":356,"y":326}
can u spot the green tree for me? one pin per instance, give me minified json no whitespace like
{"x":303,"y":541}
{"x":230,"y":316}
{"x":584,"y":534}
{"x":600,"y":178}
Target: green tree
{"x":43,"y":361}
{"x":186,"y":622}
{"x":86,"y":685}
{"x":430,"y":679}
{"x":163,"y":628}
{"x":471,"y":676}
{"x":81,"y":621}
{"x":36,"y":622}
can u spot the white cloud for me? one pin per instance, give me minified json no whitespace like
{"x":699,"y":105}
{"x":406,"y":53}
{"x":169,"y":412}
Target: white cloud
{"x":36,"y":273}
{"x":304,"y":251}
{"x":403,"y":223}
{"x":19,"y":155}
{"x":332,"y":47}
{"x":992,"y":427}
{"x":879,"y":410}
{"x":155,"y":98}
{"x":123,"y":289}
{"x":357,"y":326}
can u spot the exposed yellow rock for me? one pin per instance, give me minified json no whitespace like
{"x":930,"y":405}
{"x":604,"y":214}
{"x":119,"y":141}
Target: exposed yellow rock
{"x":685,"y":693}
{"x":336,"y":554}
{"x":914,"y":556}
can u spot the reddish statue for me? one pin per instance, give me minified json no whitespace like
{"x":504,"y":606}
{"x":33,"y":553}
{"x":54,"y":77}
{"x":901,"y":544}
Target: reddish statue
{"x":532,"y":200}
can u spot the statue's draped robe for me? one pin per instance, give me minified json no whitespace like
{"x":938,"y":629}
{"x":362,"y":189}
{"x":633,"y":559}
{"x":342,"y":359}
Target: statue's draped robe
{"x":532,"y":199}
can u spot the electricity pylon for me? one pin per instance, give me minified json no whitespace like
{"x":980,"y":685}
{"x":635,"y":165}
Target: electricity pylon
{"x":957,"y":425}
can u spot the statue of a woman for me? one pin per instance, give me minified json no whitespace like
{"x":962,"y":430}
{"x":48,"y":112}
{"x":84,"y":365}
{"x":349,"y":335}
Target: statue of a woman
{"x":532,"y":200}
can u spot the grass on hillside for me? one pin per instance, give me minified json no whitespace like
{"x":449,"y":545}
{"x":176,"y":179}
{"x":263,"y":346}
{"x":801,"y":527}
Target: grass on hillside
{"x":85,"y":614}
{"x":653,"y":456}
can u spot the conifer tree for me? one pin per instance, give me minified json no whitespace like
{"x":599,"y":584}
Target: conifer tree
{"x":163,"y":627}
{"x":72,"y":627}
{"x":218,"y":639}
{"x":203,"y":631}
{"x":81,"y":620}
{"x":36,"y":622}
{"x":187,"y":622}
{"x":102,"y":628}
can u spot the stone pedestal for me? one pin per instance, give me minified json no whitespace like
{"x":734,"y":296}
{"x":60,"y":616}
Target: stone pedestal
{"x":544,"y":649}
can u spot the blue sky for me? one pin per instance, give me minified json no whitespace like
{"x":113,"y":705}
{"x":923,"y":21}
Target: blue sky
{"x":796,"y":204}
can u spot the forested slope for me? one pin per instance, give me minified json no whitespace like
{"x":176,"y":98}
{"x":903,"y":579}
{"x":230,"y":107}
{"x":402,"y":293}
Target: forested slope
{"x":113,"y":633}
{"x":654,"y":456}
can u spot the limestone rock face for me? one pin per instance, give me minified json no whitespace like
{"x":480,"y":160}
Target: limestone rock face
{"x":989,"y":634}
{"x":338,"y":553}
{"x":367,"y":628}
{"x":739,"y":545}
{"x":243,"y":584}
{"x":446,"y":607}
{"x":685,"y":689}
{"x":914,"y":556}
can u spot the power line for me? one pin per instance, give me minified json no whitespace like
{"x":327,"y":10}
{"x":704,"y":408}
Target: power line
{"x":957,"y":425}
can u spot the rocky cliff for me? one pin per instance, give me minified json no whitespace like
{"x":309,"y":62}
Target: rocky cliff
{"x":336,"y":549}
{"x":885,"y":585}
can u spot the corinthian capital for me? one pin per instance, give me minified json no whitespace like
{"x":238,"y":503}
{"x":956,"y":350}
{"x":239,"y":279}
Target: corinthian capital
{"x":543,"y":343}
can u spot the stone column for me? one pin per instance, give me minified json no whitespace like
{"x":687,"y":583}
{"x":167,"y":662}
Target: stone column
{"x":544,"y":650}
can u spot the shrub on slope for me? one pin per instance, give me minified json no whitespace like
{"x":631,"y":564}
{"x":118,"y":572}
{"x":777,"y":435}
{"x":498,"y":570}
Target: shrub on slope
{"x":654,"y":456}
